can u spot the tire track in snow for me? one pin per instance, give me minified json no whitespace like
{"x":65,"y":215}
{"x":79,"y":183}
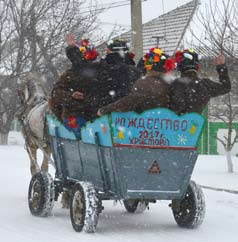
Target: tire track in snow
{"x":219,"y":189}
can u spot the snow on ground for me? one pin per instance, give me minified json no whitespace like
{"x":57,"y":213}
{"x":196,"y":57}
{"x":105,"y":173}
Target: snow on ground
{"x":15,"y":138}
{"x":115,"y":224}
{"x":212,"y":171}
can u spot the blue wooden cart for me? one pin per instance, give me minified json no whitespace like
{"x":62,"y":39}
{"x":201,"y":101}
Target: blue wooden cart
{"x":137,"y":158}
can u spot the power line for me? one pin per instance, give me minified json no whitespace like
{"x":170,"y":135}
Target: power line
{"x":110,"y":7}
{"x":108,"y":23}
{"x":104,"y":8}
{"x":105,"y":5}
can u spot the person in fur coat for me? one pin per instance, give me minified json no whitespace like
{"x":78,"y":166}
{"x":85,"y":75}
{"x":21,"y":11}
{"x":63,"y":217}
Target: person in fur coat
{"x":149,"y":92}
{"x":190,"y":93}
{"x":89,"y":85}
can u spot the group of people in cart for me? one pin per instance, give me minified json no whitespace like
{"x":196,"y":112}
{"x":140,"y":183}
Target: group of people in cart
{"x":92,"y":88}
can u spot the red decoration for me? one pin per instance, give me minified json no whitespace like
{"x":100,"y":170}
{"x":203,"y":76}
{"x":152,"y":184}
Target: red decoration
{"x":179,"y":56}
{"x":104,"y":128}
{"x":94,"y":54}
{"x":169,"y":65}
{"x":131,"y":55}
{"x":72,"y":122}
{"x":87,"y":55}
{"x":84,"y":42}
{"x":146,"y":57}
{"x":199,"y":67}
{"x":90,"y":54}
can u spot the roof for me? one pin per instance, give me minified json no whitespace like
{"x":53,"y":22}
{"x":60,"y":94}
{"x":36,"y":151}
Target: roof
{"x":169,"y":27}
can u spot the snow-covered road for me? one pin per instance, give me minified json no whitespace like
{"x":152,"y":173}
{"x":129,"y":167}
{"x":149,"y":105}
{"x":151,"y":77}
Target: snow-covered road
{"x":115,"y":224}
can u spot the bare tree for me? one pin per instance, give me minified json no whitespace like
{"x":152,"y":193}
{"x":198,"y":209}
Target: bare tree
{"x":228,"y":114}
{"x":42,"y":25}
{"x":7,"y":88}
{"x":8,"y":106}
{"x":218,"y":24}
{"x":32,"y":39}
{"x":220,"y":35}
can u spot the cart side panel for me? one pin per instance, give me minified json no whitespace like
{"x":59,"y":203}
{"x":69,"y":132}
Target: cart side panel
{"x":57,"y":157}
{"x":154,"y":173}
{"x":67,"y":158}
{"x":112,"y":175}
{"x":92,"y":167}
{"x":72,"y":162}
{"x":74,"y":159}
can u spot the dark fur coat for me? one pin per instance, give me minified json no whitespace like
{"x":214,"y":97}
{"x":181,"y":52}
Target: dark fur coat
{"x":190,"y":93}
{"x":147,"y":93}
{"x":101,"y":84}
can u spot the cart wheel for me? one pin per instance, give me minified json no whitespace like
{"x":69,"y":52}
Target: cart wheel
{"x":190,"y":211}
{"x":135,"y":205}
{"x":41,"y":194}
{"x":84,"y":207}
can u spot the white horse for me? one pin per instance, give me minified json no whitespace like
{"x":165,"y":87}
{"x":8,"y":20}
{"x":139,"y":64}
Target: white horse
{"x":32,"y":116}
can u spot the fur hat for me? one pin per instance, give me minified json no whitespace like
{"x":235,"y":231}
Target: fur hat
{"x":158,"y":61}
{"x":120,"y":48}
{"x":118,"y":45}
{"x":187,"y":60}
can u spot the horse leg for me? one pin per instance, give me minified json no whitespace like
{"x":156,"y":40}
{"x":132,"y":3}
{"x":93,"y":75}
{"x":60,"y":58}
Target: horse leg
{"x":45,"y":163}
{"x":65,"y":200}
{"x":32,"y":154}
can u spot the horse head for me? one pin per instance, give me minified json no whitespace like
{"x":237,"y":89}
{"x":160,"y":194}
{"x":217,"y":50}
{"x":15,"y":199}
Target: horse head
{"x":31,"y":90}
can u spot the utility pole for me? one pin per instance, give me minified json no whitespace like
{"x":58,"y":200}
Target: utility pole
{"x":136,"y":29}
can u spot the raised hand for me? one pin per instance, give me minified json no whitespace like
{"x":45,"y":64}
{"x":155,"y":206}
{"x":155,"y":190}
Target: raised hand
{"x":220,"y":60}
{"x":70,"y":39}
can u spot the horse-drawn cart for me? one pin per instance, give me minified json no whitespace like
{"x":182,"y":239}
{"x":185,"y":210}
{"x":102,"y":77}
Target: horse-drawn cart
{"x":137,"y":158}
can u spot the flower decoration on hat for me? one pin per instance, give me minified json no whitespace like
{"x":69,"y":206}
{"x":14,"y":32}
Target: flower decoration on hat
{"x":158,"y":61}
{"x":187,"y":59}
{"x":131,"y":55}
{"x":88,"y":51}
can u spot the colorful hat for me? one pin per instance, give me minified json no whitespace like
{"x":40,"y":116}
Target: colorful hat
{"x":158,"y":61}
{"x":88,"y":52}
{"x":187,"y":60}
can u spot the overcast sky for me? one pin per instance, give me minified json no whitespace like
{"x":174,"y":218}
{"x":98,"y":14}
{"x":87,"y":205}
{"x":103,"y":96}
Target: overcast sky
{"x":150,"y":9}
